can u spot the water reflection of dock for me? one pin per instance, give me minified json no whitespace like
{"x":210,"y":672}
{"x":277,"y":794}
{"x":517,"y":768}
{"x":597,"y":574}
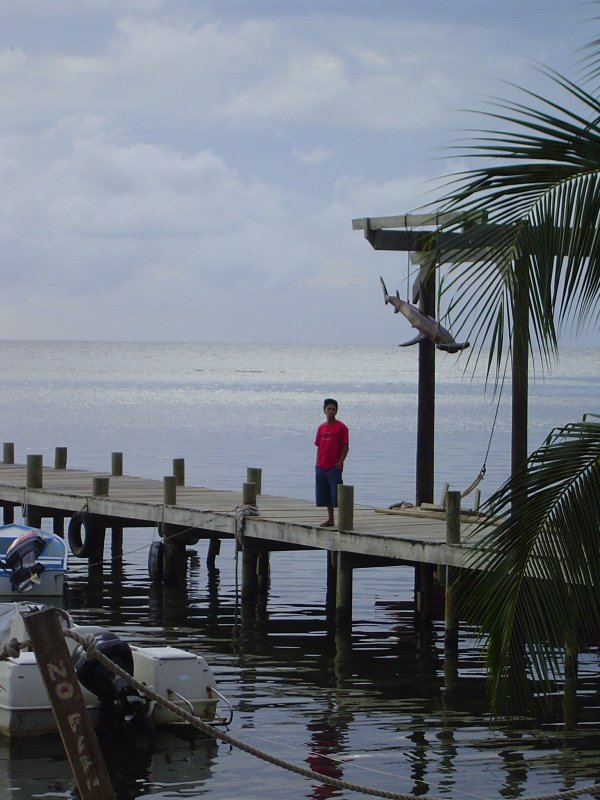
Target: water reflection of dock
{"x":365,"y":537}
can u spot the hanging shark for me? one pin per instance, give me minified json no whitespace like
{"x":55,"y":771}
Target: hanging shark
{"x":428,"y":327}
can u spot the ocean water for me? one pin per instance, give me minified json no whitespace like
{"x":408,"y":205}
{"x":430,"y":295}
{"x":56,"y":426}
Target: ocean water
{"x":371,"y":709}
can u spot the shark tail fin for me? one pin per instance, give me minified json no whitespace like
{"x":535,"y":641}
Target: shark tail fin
{"x":385,"y":291}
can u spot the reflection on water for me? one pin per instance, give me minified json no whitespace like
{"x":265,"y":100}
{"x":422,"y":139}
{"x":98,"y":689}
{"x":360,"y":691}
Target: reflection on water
{"x":373,"y":708}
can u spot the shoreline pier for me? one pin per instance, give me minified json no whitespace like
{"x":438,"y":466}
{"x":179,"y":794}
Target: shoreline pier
{"x":426,"y":539}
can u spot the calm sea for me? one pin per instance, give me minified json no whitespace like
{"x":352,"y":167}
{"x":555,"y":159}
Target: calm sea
{"x":372,"y":710}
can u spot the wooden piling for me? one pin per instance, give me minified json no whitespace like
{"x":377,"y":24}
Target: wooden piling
{"x":179,"y":471}
{"x":169,"y":490}
{"x":100,"y":486}
{"x":174,"y":557}
{"x":116,"y":464}
{"x":71,"y":715}
{"x":343,"y":594}
{"x":60,"y":458}
{"x":345,"y":498}
{"x":34,"y":480}
{"x":8,"y":453}
{"x":452,"y":537}
{"x":249,"y":571}
{"x":214,"y":548}
{"x":249,"y":494}
{"x":254,"y":475}
{"x":262,"y":573}
{"x":34,"y":471}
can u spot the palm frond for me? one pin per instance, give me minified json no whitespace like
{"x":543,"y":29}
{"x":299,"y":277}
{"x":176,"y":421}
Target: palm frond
{"x":537,"y":574}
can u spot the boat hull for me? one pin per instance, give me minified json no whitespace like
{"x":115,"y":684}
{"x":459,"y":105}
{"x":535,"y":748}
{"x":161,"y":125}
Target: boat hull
{"x":180,"y":676}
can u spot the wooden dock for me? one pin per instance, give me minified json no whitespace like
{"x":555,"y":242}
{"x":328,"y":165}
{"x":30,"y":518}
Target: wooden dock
{"x":184,"y":514}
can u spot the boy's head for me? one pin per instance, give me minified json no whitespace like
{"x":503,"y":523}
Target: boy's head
{"x":329,"y":401}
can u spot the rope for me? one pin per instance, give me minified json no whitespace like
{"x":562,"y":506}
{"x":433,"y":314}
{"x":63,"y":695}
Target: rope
{"x":89,"y":644}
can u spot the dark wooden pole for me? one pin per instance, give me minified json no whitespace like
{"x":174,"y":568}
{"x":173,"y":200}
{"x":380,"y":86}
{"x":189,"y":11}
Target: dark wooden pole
{"x":426,"y":399}
{"x":71,"y":715}
{"x":520,"y":366}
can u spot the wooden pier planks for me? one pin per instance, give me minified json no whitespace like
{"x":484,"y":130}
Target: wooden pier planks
{"x":407,"y":536}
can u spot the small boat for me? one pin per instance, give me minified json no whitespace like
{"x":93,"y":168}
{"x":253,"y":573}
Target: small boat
{"x":32,"y":561}
{"x":182,"y":677}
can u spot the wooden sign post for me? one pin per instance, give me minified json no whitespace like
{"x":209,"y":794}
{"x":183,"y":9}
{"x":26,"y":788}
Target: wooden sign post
{"x":71,"y":715}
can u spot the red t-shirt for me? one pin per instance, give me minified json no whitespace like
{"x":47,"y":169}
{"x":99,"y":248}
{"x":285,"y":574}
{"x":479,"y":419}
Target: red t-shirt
{"x":331,"y":439}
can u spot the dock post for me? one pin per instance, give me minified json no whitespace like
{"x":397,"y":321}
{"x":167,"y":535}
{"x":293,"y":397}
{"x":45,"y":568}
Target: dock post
{"x":8,"y":457}
{"x":174,"y":559}
{"x":249,"y":494}
{"x":343,"y":594}
{"x":345,"y":498}
{"x":60,"y":458}
{"x":254,"y":475}
{"x":68,"y":706}
{"x":214,"y":548}
{"x":451,"y":600}
{"x":169,"y":490}
{"x":116,"y":531}
{"x":34,"y":471}
{"x":33,"y":514}
{"x":262,"y":573}
{"x":331,"y":588}
{"x":249,"y":572}
{"x":100,"y":486}
{"x":116,"y":464}
{"x":179,"y":471}
{"x":452,"y":537}
{"x":423,"y":595}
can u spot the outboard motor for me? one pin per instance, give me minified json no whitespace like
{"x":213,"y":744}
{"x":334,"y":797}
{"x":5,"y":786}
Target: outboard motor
{"x":121,"y":707}
{"x":21,"y":561}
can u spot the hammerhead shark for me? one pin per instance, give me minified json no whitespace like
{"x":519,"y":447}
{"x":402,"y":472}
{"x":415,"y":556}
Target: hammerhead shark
{"x":428,"y":327}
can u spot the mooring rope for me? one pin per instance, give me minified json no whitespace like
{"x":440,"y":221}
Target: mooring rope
{"x":89,"y":644}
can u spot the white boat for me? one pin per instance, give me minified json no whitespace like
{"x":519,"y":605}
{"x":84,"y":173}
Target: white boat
{"x":31,"y":560}
{"x":183,"y":678}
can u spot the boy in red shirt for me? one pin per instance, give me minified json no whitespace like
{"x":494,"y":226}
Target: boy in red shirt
{"x":332,"y":442}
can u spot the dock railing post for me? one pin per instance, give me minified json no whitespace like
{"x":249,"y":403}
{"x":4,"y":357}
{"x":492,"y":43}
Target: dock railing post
{"x":179,"y":471}
{"x":60,"y":458}
{"x":8,"y":453}
{"x":8,"y":457}
{"x":345,"y":498}
{"x":116,"y":464}
{"x":169,"y":490}
{"x":254,"y":475}
{"x":34,"y":480}
{"x":34,"y":471}
{"x":100,"y":486}
{"x":249,"y":494}
{"x":452,"y":537}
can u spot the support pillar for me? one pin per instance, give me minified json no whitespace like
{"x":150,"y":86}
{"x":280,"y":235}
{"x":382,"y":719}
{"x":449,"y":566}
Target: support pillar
{"x":343,"y":595}
{"x":34,"y":480}
{"x":214,"y":548}
{"x":249,"y":572}
{"x":451,"y":622}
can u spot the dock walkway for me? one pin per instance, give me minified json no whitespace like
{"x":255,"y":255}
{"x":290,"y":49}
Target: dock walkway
{"x":409,"y":535}
{"x":366,"y":537}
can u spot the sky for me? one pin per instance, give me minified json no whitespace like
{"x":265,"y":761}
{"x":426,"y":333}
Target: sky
{"x":188,"y":170}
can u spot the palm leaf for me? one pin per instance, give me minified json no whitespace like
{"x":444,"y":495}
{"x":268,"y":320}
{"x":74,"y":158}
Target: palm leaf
{"x":539,"y":192}
{"x":537,"y":575}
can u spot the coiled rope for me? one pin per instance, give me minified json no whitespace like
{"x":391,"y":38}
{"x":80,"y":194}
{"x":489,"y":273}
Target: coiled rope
{"x":89,"y":644}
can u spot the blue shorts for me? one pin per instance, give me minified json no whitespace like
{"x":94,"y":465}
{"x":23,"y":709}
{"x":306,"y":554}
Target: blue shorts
{"x":326,"y":483}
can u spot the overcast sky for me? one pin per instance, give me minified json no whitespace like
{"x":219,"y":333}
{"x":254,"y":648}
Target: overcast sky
{"x":190,"y":169}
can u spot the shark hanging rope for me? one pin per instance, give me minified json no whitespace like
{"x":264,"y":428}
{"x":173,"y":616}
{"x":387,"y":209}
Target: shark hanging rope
{"x":428,"y":327}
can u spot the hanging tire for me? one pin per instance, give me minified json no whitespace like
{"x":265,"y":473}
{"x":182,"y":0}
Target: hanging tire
{"x":80,"y":547}
{"x":155,"y":561}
